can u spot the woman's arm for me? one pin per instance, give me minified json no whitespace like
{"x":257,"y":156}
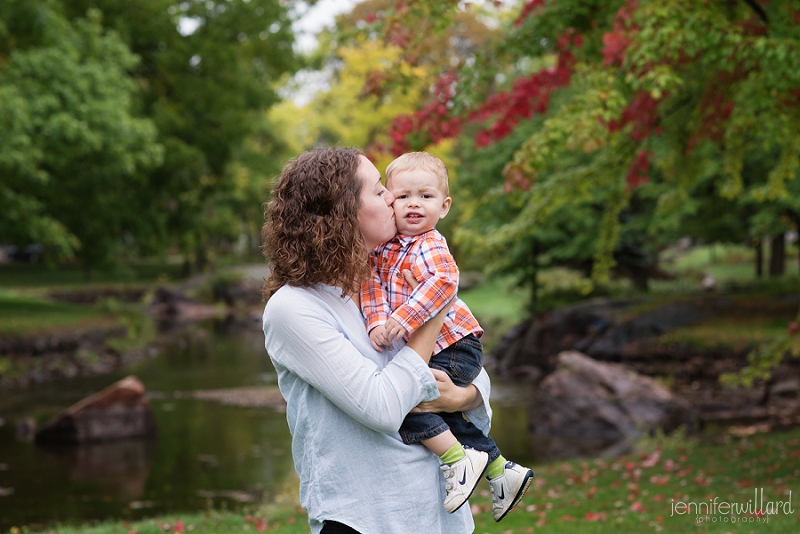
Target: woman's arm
{"x":305,"y":336}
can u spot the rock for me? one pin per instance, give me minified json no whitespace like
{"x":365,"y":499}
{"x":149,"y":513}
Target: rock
{"x":170,"y":304}
{"x":237,"y":290}
{"x":25,"y":429}
{"x":708,"y":283}
{"x":119,"y":411}
{"x":249,"y":397}
{"x":606,"y":401}
{"x":611,"y":330}
{"x":786,"y":388}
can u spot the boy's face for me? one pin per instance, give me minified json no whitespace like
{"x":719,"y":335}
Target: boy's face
{"x":419,"y":201}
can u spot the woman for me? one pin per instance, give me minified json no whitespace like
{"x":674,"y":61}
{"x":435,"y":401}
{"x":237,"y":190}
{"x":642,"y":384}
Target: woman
{"x":345,"y":400}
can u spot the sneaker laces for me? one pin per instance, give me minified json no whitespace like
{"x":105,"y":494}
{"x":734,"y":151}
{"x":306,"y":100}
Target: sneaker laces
{"x":449,"y":474}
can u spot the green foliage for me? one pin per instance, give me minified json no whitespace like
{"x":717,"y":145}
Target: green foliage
{"x":762,"y":362}
{"x":122,"y":135}
{"x":679,"y":112}
{"x":71,"y":138}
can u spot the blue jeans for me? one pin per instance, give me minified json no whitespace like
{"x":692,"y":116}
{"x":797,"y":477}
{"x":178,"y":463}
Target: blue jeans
{"x":462,"y":361}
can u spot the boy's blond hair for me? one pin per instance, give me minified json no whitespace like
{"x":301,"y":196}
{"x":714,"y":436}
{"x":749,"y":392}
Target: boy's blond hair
{"x":411,"y":161}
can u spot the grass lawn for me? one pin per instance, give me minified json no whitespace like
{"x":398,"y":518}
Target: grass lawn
{"x":28,"y":277}
{"x":26,"y":306}
{"x":641,"y":492}
{"x":21,"y":315}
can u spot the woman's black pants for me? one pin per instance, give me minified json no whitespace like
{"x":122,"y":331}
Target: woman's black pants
{"x":333,"y":527}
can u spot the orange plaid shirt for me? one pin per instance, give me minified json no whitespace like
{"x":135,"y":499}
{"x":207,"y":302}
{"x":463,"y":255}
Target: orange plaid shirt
{"x":388,"y":294}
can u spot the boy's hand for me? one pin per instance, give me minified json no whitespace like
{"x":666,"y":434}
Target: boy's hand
{"x":394,"y":330}
{"x":379,"y":338}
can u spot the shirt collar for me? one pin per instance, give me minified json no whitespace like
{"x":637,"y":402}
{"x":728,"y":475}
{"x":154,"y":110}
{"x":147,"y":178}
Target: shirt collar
{"x":406,"y":240}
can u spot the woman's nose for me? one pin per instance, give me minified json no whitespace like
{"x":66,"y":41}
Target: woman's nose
{"x":389,"y":198}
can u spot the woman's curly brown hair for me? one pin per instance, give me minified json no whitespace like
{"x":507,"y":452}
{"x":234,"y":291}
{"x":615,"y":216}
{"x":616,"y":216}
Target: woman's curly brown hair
{"x":311,"y":233}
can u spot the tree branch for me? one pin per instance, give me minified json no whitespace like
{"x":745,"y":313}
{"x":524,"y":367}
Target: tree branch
{"x":758,"y":9}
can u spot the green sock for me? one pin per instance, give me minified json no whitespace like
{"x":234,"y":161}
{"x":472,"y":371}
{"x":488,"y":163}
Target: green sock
{"x":453,"y":454}
{"x":496,"y":468}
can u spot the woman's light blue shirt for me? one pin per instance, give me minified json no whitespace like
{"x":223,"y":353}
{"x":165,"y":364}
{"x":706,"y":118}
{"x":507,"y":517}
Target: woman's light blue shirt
{"x":345,"y":403}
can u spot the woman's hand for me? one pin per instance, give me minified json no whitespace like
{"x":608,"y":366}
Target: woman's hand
{"x":452,"y":398}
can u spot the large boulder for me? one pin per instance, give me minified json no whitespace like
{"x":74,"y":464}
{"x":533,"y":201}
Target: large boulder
{"x":119,"y":411}
{"x":611,"y":330}
{"x":585,"y":398}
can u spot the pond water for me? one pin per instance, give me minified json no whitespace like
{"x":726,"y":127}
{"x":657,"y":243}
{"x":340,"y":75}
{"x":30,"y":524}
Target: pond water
{"x":207,"y":454}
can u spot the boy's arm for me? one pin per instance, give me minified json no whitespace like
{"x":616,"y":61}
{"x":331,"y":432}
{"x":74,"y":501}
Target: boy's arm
{"x":437,"y":272}
{"x":374,"y":305}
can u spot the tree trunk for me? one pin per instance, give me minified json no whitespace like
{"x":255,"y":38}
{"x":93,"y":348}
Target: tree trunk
{"x":759,"y":245}
{"x":200,"y":259}
{"x":777,"y":255}
{"x":535,"y":278}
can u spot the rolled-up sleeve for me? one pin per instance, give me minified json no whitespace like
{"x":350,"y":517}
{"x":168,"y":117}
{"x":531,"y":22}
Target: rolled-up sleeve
{"x":481,"y":416}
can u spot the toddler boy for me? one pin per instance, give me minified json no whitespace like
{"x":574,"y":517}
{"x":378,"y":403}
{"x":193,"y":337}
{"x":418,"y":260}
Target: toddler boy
{"x":393,"y":309}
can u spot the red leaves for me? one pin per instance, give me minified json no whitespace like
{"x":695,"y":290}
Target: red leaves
{"x":614,"y":46}
{"x":528,"y":96}
{"x":638,"y":171}
{"x":259,"y":523}
{"x":616,"y":42}
{"x":793,"y":329}
{"x":659,"y":480}
{"x":642,"y":113}
{"x":593,"y":516}
{"x":637,"y":506}
{"x":527,"y":9}
{"x":432,"y":123}
{"x":715,"y":111}
{"x":650,"y":460}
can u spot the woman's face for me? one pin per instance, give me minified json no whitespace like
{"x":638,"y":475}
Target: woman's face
{"x":376,"y":215}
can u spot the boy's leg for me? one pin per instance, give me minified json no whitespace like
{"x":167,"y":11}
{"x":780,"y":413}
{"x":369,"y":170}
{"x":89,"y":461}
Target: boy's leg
{"x":462,"y":468}
{"x":508,"y":481}
{"x":462,"y":361}
{"x":442,"y":443}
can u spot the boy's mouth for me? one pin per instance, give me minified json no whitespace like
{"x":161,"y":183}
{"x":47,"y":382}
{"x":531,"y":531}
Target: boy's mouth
{"x":413,"y":216}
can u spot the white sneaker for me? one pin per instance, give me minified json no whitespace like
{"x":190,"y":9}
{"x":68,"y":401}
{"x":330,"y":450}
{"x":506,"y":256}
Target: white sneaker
{"x":461,"y":478}
{"x":508,"y":488}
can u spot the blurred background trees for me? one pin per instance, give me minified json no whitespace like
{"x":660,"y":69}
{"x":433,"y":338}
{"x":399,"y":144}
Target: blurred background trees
{"x":581,"y":134}
{"x":124,"y":124}
{"x":644,"y":120}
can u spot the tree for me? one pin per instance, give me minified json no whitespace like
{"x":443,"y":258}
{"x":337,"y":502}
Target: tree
{"x":667,"y":98}
{"x":72,"y":150}
{"x":207,"y":71}
{"x":638,"y":91}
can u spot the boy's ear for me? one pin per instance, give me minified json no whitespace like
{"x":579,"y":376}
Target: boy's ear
{"x":445,"y":207}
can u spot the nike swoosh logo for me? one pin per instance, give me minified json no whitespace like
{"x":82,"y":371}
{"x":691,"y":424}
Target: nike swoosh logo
{"x":502,"y":493}
{"x":463,"y":479}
